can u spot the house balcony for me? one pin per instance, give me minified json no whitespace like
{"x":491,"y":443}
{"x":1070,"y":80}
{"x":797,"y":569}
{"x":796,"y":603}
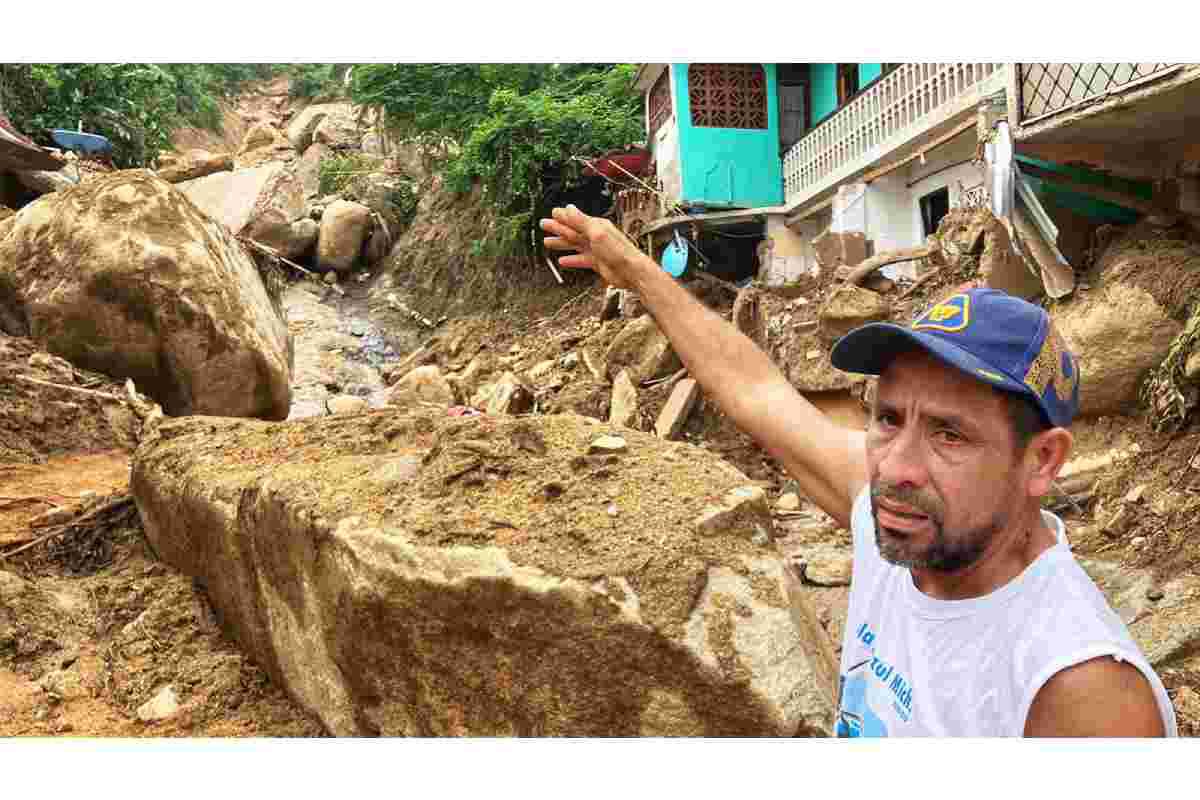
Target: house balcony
{"x":892,"y":117}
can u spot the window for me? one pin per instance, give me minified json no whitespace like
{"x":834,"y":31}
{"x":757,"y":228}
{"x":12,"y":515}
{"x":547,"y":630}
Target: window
{"x":660,"y":102}
{"x":728,"y":95}
{"x":847,"y":82}
{"x":794,"y":103}
{"x":934,"y":206}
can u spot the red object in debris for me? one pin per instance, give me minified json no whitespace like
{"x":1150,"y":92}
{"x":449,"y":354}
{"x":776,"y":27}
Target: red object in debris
{"x":462,"y":411}
{"x":633,"y":160}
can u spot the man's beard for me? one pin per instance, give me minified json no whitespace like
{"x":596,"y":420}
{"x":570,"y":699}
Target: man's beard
{"x":944,"y":553}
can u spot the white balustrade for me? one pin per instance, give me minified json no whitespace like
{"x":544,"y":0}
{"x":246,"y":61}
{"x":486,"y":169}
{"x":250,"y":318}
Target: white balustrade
{"x":889,"y":113}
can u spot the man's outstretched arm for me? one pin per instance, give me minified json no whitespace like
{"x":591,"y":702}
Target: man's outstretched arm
{"x":829,"y":462}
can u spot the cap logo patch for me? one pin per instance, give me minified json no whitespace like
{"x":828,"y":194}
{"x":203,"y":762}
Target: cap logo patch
{"x":950,"y":316}
{"x":1055,"y":366}
{"x":989,"y":374}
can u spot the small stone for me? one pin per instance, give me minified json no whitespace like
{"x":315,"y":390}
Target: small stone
{"x":608,"y":444}
{"x":612,"y":304}
{"x":812,"y":354}
{"x":541,"y":368}
{"x":827,"y":567}
{"x":163,"y":705}
{"x":569,"y":361}
{"x":1135,"y":494}
{"x":1118,"y":523}
{"x":788,"y":502}
{"x":623,"y":407}
{"x":344,"y":404}
{"x":331,"y":277}
{"x":515,"y":349}
{"x":1154,"y":594}
{"x":613,"y":510}
{"x":358,"y":329}
{"x":1137,"y":541}
{"x":741,"y":506}
{"x":363,"y":277}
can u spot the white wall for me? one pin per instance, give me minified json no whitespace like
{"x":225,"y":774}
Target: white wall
{"x":664,"y":145}
{"x":893,"y":202}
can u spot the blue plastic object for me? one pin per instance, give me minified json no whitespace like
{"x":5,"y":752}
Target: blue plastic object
{"x":675,"y":257}
{"x":90,"y":143}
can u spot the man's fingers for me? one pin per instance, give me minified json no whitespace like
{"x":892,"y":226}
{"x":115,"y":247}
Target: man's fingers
{"x":556,"y":243}
{"x":577,"y":261}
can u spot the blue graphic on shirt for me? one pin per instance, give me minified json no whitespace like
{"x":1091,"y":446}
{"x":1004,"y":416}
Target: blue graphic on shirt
{"x":856,"y":719}
{"x":855,"y":715}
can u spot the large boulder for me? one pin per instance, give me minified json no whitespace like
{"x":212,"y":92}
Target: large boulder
{"x":343,"y":230}
{"x":302,"y":127}
{"x":336,"y":130}
{"x":431,"y":576}
{"x":422,"y":385}
{"x":308,"y":169}
{"x":849,"y":307}
{"x":124,"y":276}
{"x":45,"y":182}
{"x":643,"y":349}
{"x":259,"y":202}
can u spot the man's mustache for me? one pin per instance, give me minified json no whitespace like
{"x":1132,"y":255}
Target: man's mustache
{"x":907,"y":495}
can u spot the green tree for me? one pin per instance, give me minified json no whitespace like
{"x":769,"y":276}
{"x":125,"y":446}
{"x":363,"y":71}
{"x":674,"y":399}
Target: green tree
{"x":515,"y":126}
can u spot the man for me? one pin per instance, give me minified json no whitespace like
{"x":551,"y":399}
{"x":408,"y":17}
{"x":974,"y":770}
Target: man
{"x":968,"y":614}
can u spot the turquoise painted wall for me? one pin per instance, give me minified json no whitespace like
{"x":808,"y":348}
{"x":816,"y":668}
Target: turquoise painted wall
{"x":729,"y":167}
{"x":824,"y":90}
{"x":868,"y":73}
{"x":824,"y":86}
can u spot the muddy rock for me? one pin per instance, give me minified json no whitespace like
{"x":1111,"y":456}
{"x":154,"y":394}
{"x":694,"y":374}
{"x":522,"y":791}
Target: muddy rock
{"x":337,"y":130}
{"x":300,"y":129}
{"x":623,"y":410}
{"x":195,"y":164}
{"x":379,"y":244}
{"x":201,"y":337}
{"x":343,"y":229}
{"x":643,"y":349}
{"x":422,"y":385}
{"x":260,"y":135}
{"x":292,"y":240}
{"x":260,"y":202}
{"x":840,"y":249}
{"x":163,"y":705}
{"x":510,"y":396}
{"x":346,"y":404}
{"x":849,"y":307}
{"x":308,"y":169}
{"x":1119,"y":333}
{"x":461,"y":596}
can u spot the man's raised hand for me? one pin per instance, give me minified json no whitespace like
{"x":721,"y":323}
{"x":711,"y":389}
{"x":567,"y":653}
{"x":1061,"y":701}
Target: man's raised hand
{"x":598,"y":244}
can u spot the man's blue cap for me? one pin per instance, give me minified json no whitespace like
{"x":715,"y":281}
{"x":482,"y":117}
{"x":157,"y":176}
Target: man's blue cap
{"x":992,"y":336}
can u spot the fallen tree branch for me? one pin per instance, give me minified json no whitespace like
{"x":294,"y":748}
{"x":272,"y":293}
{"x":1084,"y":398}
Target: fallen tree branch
{"x":273,"y":253}
{"x":917,"y":284}
{"x":861,"y":272}
{"x":76,"y":389}
{"x":58,"y":530}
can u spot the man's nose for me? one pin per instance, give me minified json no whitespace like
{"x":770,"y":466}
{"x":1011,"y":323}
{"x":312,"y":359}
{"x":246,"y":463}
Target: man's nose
{"x":904,"y":459}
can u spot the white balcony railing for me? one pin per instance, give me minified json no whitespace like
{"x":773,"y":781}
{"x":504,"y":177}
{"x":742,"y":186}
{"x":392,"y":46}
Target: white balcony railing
{"x":890,"y":113}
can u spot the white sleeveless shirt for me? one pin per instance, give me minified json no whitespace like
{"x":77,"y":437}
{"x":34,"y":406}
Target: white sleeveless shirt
{"x":915,"y":666}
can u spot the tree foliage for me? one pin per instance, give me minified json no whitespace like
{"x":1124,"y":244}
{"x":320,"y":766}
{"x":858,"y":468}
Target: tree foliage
{"x":514,"y":127}
{"x":135,"y":105}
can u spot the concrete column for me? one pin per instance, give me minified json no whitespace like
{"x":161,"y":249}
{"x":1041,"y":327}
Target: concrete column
{"x":786,"y":255}
{"x":850,"y":209}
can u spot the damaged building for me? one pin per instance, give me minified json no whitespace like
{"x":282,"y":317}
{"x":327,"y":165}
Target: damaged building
{"x":750,"y":163}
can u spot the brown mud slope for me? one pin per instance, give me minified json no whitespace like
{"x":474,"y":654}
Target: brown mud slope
{"x":92,"y":626}
{"x":77,"y":413}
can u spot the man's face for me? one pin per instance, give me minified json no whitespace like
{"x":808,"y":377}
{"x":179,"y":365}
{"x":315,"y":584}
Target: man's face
{"x":944,"y":468}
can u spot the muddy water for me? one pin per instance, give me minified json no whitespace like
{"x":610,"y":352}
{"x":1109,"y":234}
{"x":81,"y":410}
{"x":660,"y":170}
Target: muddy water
{"x":338,"y":348}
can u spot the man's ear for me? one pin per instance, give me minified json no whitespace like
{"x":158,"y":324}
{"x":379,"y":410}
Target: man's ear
{"x":1044,"y":457}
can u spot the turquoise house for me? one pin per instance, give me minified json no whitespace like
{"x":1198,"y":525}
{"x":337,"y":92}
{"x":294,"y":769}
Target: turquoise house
{"x":719,"y":131}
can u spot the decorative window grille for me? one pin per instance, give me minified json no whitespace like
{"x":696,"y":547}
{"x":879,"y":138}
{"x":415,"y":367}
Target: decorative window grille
{"x":728,"y":95}
{"x":660,"y":101}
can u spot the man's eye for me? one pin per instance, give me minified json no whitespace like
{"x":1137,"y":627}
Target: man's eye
{"x":887,"y":419}
{"x":949,"y":436}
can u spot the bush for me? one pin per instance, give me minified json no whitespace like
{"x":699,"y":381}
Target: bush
{"x":516,"y":125}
